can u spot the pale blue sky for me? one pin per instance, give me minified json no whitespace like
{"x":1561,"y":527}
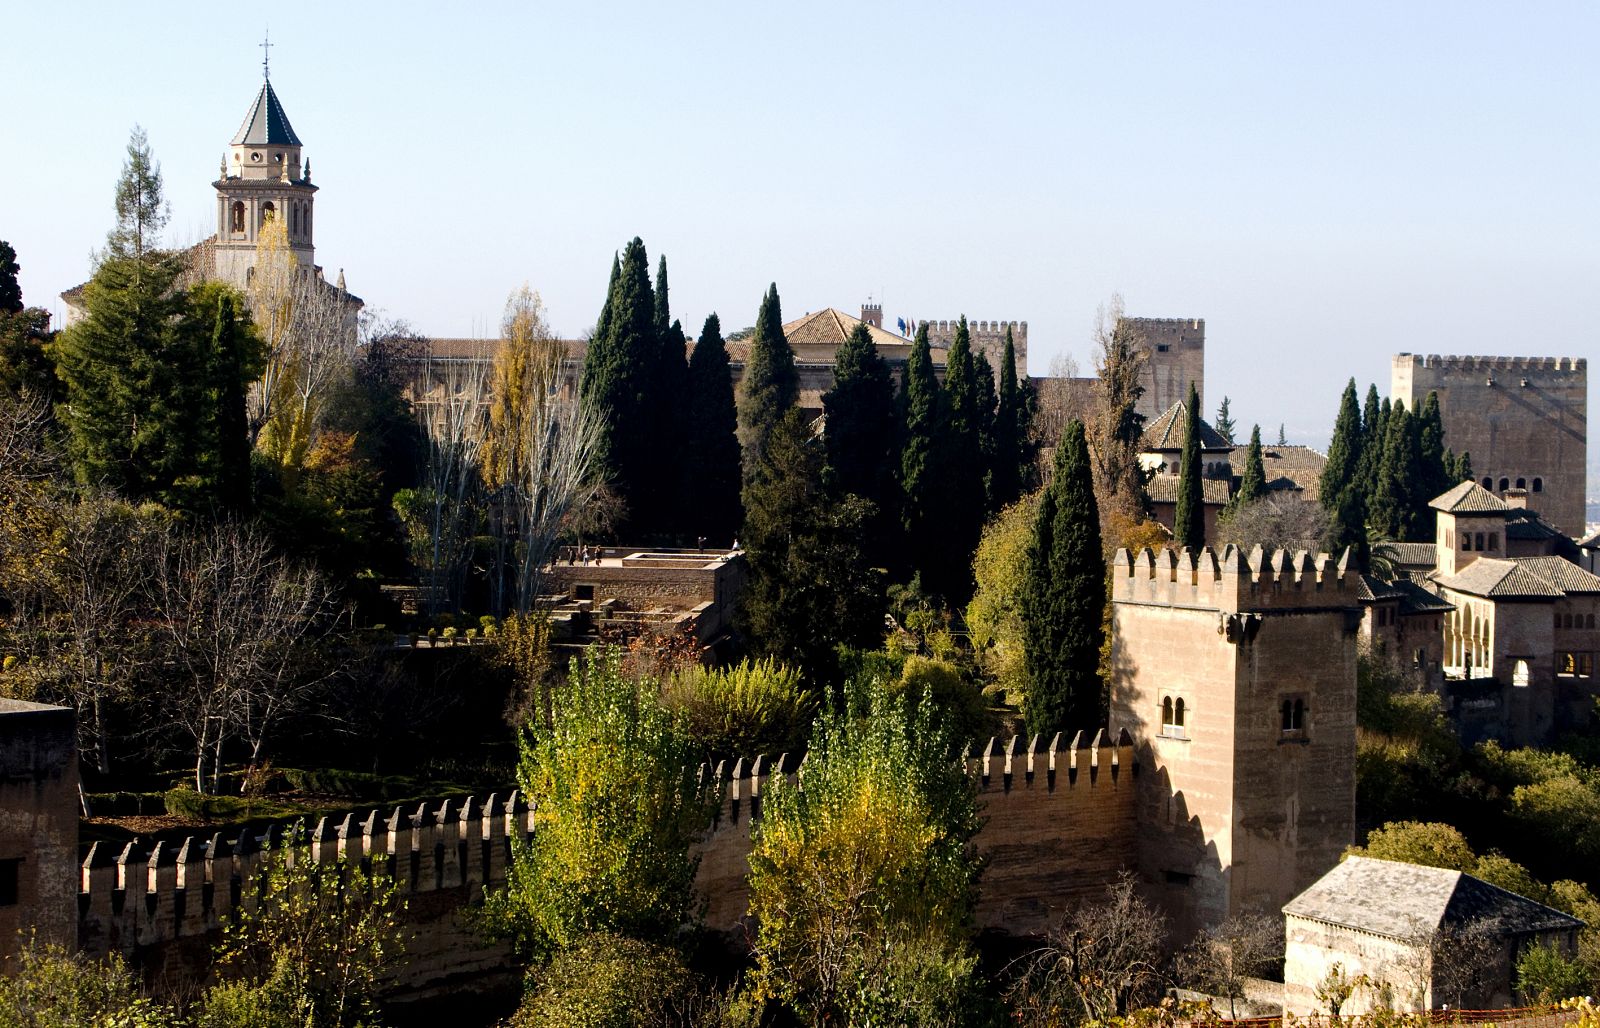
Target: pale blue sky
{"x":1324,"y":184}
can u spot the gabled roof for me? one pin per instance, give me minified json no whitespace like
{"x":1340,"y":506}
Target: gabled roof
{"x":830,"y":327}
{"x":1504,"y":580}
{"x":1561,"y":573}
{"x":1469,"y":498}
{"x":1525,"y":524}
{"x":1413,"y":555}
{"x":1403,"y":901}
{"x":266,"y":124}
{"x":1166,"y":432}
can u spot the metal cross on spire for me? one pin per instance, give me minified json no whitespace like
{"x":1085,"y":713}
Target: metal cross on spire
{"x":266,"y":41}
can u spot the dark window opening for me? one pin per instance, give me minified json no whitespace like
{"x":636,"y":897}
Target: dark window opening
{"x":1293,"y":716}
{"x":1505,"y":483}
{"x":1477,"y":540}
{"x":8,"y":881}
{"x":237,"y":224}
{"x":1494,"y":541}
{"x":583,"y":592}
{"x":1488,"y":483}
{"x":1172,"y":718}
{"x":1182,"y":878}
{"x":1538,"y":485}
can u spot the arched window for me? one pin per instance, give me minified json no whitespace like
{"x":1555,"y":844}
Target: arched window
{"x":1488,"y":483}
{"x":1477,"y":541}
{"x":1166,"y":712}
{"x":1538,"y":485}
{"x":237,"y":222}
{"x":1172,"y":718}
{"x":1520,"y":674}
{"x":1505,"y":483}
{"x":268,"y":212}
{"x":1177,"y":712}
{"x":1522,"y":483}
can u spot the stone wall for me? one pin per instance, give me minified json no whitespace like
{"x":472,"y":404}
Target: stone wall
{"x":38,"y":824}
{"x":1177,"y":357}
{"x":1523,"y":419}
{"x":1060,"y":825}
{"x":987,"y":338}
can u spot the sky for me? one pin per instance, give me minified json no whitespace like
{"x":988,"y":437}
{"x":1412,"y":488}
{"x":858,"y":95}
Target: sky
{"x":1325,"y":184}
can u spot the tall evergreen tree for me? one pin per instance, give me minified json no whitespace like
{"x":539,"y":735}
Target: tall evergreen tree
{"x":24,"y":363}
{"x":770,"y":386}
{"x":810,"y":585}
{"x":1436,"y":475}
{"x":618,"y":372}
{"x":1371,"y":441}
{"x":960,"y":470}
{"x":711,"y":441}
{"x":987,"y":402}
{"x":10,"y":290}
{"x":1010,"y":461}
{"x":141,"y":209}
{"x":1463,"y":470}
{"x":666,"y":393}
{"x":1283,"y":440}
{"x":1188,"y":520}
{"x":861,"y":428}
{"x":922,"y":419}
{"x":1224,"y":425}
{"x":1340,"y":488}
{"x":1253,"y":483}
{"x":1063,"y":597}
{"x":234,"y":359}
{"x":1397,"y":504}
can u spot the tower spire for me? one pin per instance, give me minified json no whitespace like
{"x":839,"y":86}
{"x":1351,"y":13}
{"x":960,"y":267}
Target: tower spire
{"x":266,"y":42}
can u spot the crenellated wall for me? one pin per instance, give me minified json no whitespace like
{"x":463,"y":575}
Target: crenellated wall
{"x":1060,"y":824}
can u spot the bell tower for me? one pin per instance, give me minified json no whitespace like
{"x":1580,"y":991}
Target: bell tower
{"x":263,"y":177}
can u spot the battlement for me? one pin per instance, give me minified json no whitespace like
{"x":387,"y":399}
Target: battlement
{"x":1434,"y":362}
{"x":143,"y":894}
{"x":944,"y":330}
{"x":1166,"y":323}
{"x":1233,"y":581}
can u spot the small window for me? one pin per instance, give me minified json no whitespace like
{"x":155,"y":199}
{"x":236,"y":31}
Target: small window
{"x":1162,"y":347}
{"x":1494,"y":541}
{"x":1521,"y":674}
{"x":1488,"y":483}
{"x":1466,"y":542}
{"x":1538,"y":485}
{"x":1181,"y":878}
{"x":1172,"y":717}
{"x":9,"y":870}
{"x":237,"y":224}
{"x":583,"y":592}
{"x":1477,"y":541}
{"x":1505,"y":483}
{"x":1589,"y":621}
{"x":1522,"y":483}
{"x":1292,"y":715}
{"x":268,"y":212}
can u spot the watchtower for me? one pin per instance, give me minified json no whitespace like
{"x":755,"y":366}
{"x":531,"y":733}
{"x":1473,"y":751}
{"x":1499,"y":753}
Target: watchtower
{"x":1235,"y":675}
{"x":1176,"y":356}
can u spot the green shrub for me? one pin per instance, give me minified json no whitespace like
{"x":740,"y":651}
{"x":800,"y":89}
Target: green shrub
{"x":487,"y":622}
{"x":183,"y":801}
{"x":754,"y":707}
{"x":608,"y":981}
{"x":47,"y":987}
{"x":959,"y":704}
{"x":1545,"y":974}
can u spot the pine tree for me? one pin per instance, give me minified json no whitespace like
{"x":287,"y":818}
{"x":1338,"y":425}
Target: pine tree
{"x":771,"y":384}
{"x":922,"y":420}
{"x":618,"y":373}
{"x":711,"y":441}
{"x":960,"y":471}
{"x":1253,"y":483}
{"x":1009,"y":461}
{"x":1188,"y":521}
{"x":234,"y":358}
{"x":861,"y":429}
{"x":1224,"y":425}
{"x":1064,"y":597}
{"x":141,"y":210}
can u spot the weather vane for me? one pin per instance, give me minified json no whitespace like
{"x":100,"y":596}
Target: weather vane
{"x":266,"y":41}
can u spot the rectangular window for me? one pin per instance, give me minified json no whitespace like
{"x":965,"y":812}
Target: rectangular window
{"x":583,"y":592}
{"x":8,"y":881}
{"x":1575,"y":665}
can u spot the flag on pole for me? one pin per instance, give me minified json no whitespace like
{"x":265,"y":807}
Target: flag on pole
{"x":902,"y":325}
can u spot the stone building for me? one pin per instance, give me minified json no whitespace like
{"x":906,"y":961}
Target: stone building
{"x":38,"y":825}
{"x":1399,"y":925}
{"x":1404,"y":622}
{"x":1235,"y":676}
{"x":1524,"y":420}
{"x":987,"y":338}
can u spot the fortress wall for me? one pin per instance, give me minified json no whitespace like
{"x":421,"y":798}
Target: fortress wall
{"x":987,"y":337}
{"x":1519,"y":417}
{"x":1177,"y":356}
{"x":1232,"y":581}
{"x":1060,"y":826}
{"x":38,"y":822}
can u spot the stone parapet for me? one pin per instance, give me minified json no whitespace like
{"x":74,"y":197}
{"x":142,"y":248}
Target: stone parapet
{"x":1233,"y":581}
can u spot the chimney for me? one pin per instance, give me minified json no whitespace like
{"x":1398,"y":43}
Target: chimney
{"x":872,"y":314}
{"x":1516,"y":498}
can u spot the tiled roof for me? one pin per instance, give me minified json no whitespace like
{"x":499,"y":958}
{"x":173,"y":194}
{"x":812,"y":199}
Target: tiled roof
{"x":830,"y":327}
{"x":266,"y":124}
{"x":1414,"y":599}
{"x":1561,"y":573}
{"x":1403,"y":901}
{"x":1166,"y":432}
{"x":1415,"y":555}
{"x":1469,"y":498}
{"x":1501,"y":579}
{"x":1525,"y":524}
{"x":1286,"y":467}
{"x":1164,"y":489}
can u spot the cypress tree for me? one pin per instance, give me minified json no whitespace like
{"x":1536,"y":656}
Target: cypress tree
{"x":1340,"y":489}
{"x":666,"y":391}
{"x":1283,"y":440}
{"x":1224,"y":425}
{"x":10,"y":290}
{"x":618,"y":369}
{"x":234,"y":363}
{"x":860,"y":435}
{"x":1394,"y":506}
{"x":771,"y":384}
{"x":1253,"y":483}
{"x":987,"y":401}
{"x":1463,"y":468}
{"x":712,"y":440}
{"x":1436,"y":475}
{"x":1188,"y":521}
{"x":1371,"y":441}
{"x":922,"y":418}
{"x":960,"y":467}
{"x":1063,"y":597}
{"x":1009,"y":461}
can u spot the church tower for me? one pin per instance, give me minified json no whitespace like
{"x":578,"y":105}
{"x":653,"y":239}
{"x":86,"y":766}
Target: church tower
{"x":263,"y":177}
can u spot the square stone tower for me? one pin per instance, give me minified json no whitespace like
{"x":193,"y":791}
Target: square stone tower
{"x":1177,"y":356}
{"x":1524,"y":420}
{"x":38,"y":825}
{"x":1236,"y":677}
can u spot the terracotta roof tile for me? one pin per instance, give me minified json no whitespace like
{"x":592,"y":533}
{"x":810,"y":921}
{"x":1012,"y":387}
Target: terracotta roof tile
{"x":1164,"y":489}
{"x":1166,"y":432}
{"x":1469,"y":498}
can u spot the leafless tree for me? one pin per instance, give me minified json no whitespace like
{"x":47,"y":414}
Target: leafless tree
{"x":1276,"y":521}
{"x":23,"y":455}
{"x":1463,"y":960}
{"x":1116,"y":432}
{"x":1103,"y":958}
{"x":452,"y":407}
{"x":235,"y":622}
{"x":1222,"y":959}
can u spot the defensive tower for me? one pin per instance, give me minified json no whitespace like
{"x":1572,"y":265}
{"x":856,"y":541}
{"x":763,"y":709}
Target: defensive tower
{"x":1176,"y":349}
{"x":1235,"y":676}
{"x":1524,"y":420}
